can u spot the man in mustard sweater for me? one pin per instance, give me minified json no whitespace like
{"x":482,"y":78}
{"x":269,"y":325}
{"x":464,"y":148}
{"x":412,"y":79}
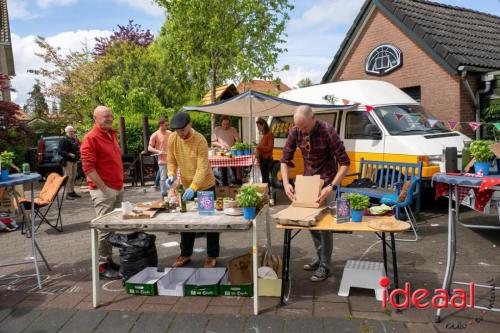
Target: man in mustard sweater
{"x":188,"y":151}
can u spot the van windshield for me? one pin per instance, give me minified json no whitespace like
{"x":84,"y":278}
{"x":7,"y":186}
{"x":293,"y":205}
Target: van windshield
{"x":408,"y":120}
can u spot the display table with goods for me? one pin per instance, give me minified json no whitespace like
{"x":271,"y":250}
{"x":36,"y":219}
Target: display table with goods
{"x":217,"y":161}
{"x":325,"y":220}
{"x":457,"y":186}
{"x":197,"y":218}
{"x":20,"y":179}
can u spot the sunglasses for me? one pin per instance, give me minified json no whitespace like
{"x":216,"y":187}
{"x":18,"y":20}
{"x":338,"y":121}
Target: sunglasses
{"x":307,"y":145}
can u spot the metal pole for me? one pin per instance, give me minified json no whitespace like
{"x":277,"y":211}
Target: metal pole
{"x":123,"y":138}
{"x":145,"y":133}
{"x":250,"y":123}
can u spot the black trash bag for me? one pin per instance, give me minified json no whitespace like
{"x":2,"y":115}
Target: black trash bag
{"x":362,"y":183}
{"x":137,"y":251}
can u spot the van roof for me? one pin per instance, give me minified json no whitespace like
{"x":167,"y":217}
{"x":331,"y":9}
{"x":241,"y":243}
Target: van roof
{"x":366,"y":92}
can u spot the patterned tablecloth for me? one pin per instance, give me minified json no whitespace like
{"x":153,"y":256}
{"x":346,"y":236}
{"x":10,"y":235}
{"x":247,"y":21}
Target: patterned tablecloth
{"x":236,"y":161}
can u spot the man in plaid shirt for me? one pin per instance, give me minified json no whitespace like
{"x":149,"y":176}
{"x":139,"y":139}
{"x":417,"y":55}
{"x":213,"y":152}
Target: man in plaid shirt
{"x":322,"y":150}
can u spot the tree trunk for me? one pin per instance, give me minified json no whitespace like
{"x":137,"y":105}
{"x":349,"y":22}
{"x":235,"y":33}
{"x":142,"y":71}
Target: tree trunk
{"x":213,"y":87}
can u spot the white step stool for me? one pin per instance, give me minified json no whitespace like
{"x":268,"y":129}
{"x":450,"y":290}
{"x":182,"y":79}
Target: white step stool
{"x":362,"y":274}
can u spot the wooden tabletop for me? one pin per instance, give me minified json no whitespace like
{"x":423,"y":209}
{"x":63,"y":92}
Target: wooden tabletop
{"x":329,"y":223}
{"x":190,"y":221}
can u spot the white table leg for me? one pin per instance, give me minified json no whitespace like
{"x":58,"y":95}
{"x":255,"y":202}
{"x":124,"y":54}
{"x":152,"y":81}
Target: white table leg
{"x":96,"y":292}
{"x":255,"y":257}
{"x":33,"y":241}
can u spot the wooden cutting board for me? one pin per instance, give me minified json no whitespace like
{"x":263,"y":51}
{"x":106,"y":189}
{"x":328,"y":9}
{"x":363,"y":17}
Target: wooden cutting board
{"x":144,"y":214}
{"x":389,"y":226}
{"x":158,"y":204}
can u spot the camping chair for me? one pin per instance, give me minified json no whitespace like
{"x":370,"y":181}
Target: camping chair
{"x":46,"y":198}
{"x":392,"y":200}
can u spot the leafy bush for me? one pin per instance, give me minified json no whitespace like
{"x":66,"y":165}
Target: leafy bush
{"x":248,"y":196}
{"x":480,"y":150}
{"x":7,"y":157}
{"x":358,"y":201}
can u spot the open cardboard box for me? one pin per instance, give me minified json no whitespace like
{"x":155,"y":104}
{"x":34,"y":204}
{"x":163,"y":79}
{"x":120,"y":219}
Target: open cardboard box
{"x":145,"y":282}
{"x":172,"y":283}
{"x":228,"y":288}
{"x":204,"y":282}
{"x":307,"y":190}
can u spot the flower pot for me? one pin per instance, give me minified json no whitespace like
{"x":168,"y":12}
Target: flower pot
{"x":248,"y":213}
{"x":484,"y":166}
{"x":4,"y":175}
{"x":247,"y":152}
{"x":356,"y":215}
{"x":240,"y":152}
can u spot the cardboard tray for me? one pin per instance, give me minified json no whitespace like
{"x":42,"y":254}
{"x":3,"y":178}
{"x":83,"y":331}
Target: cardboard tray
{"x":172,"y":283}
{"x":226,"y":288}
{"x":144,"y":282}
{"x":204,"y":282}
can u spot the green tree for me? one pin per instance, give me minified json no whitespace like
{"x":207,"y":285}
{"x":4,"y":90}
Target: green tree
{"x":226,"y":39}
{"x":306,"y":82}
{"x":36,"y":104}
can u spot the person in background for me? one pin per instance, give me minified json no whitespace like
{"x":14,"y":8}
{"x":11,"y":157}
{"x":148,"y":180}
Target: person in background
{"x":69,"y":149}
{"x":264,"y":150}
{"x":103,"y":167}
{"x":188,"y":152}
{"x":158,"y":145}
{"x":225,"y":136}
{"x":322,"y":150}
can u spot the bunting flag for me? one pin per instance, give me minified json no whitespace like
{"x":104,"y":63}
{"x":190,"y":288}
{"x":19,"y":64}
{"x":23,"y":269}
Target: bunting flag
{"x":346,"y":101}
{"x":474,"y":125}
{"x":452,"y":124}
{"x":369,"y":108}
{"x":398,"y":116}
{"x":497,"y":125}
{"x":432,"y":122}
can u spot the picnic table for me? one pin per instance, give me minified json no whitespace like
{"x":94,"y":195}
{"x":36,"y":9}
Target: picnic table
{"x":190,"y":221}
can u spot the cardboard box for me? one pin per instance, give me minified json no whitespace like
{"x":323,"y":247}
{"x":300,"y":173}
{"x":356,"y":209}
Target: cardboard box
{"x":226,"y":288}
{"x":7,"y":201}
{"x":144,"y":282}
{"x":232,"y":191}
{"x":307,"y":190}
{"x":240,"y":269}
{"x":268,"y":287}
{"x":204,"y":282}
{"x":172,"y":283}
{"x":222,"y":191}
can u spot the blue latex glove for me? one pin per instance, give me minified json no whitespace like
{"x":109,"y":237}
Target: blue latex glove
{"x":170,"y":181}
{"x":188,"y":195}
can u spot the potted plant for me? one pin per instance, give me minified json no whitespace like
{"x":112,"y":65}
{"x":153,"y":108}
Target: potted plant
{"x":246,"y":148}
{"x":249,"y":198}
{"x":482,"y":154}
{"x":6,"y":159}
{"x":358,"y":202}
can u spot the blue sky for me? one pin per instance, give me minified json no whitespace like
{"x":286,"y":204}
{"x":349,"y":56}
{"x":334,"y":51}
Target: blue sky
{"x":314,"y":33}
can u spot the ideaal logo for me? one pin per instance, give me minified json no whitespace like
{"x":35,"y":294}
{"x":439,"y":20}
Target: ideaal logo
{"x":440,"y":298}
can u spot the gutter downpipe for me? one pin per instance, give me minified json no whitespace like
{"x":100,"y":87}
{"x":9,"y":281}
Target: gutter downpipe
{"x":476,"y":98}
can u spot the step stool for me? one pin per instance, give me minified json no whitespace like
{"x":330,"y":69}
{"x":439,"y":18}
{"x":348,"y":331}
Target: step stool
{"x":362,"y":274}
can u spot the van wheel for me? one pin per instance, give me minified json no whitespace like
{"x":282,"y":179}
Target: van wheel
{"x":275,"y":172}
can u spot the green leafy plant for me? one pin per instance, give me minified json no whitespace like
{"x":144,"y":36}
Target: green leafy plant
{"x":238,"y":146}
{"x":7,"y":157}
{"x":480,"y":150}
{"x":358,"y":201}
{"x":248,"y":196}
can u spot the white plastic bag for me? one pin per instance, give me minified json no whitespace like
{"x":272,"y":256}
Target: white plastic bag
{"x":255,"y":175}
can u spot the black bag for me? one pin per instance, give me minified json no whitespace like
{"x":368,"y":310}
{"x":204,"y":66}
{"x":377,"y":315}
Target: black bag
{"x":363,"y":183}
{"x":137,"y":251}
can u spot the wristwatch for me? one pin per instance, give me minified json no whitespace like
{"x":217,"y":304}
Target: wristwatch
{"x":334,"y":187}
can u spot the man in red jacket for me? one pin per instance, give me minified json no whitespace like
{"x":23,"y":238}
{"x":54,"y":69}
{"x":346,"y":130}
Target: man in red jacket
{"x":102,"y":165}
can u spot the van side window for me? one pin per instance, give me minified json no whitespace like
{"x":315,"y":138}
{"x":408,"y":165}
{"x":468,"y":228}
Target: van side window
{"x":359,"y":125}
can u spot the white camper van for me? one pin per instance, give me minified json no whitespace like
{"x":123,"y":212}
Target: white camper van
{"x":397,"y":130}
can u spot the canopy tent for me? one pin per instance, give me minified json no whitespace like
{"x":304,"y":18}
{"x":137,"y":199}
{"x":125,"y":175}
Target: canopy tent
{"x":257,"y":104}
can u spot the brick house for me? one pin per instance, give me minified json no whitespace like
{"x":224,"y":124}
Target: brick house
{"x":445,"y":57}
{"x":6,"y":57}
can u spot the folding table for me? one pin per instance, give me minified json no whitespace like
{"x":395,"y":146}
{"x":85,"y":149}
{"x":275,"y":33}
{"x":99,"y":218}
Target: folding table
{"x":20,"y":179}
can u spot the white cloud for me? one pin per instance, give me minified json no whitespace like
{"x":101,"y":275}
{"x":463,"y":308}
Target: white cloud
{"x":147,"y":6}
{"x":18,"y":9}
{"x":327,"y":13}
{"x":24,"y":49}
{"x":47,"y":3}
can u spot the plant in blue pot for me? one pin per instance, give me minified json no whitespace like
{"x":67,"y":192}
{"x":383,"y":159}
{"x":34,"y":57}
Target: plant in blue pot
{"x":6,"y":159}
{"x":246,"y":148}
{"x":248,"y":198}
{"x":481,"y":152}
{"x":358,"y":203}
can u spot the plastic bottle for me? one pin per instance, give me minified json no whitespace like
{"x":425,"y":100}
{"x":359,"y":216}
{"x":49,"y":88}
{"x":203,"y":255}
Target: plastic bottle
{"x":466,"y":157}
{"x":182,"y":202}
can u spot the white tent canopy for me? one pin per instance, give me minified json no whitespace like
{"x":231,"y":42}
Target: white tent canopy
{"x":256,"y":104}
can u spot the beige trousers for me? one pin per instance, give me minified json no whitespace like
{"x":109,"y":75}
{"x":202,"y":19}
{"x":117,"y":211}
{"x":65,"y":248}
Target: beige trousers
{"x":105,"y":202}
{"x":70,"y":171}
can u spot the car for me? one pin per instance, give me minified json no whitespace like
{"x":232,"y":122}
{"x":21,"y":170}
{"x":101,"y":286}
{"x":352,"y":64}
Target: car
{"x":47,"y":147}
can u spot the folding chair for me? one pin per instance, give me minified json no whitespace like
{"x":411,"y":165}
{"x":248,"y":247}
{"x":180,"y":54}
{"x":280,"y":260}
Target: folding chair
{"x":46,"y":198}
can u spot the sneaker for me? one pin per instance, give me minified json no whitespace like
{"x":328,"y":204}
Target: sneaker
{"x":75,"y":195}
{"x":69,"y":197}
{"x":106,"y":273}
{"x":113,"y":266}
{"x":320,"y":274}
{"x":312,"y":266}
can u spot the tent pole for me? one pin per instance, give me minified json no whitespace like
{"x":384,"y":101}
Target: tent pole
{"x":250,"y":123}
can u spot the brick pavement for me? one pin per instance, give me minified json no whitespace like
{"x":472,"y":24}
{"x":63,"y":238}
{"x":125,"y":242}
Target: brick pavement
{"x":67,"y":287}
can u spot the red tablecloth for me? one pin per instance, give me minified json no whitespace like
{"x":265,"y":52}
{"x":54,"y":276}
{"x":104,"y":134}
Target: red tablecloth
{"x":236,"y":161}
